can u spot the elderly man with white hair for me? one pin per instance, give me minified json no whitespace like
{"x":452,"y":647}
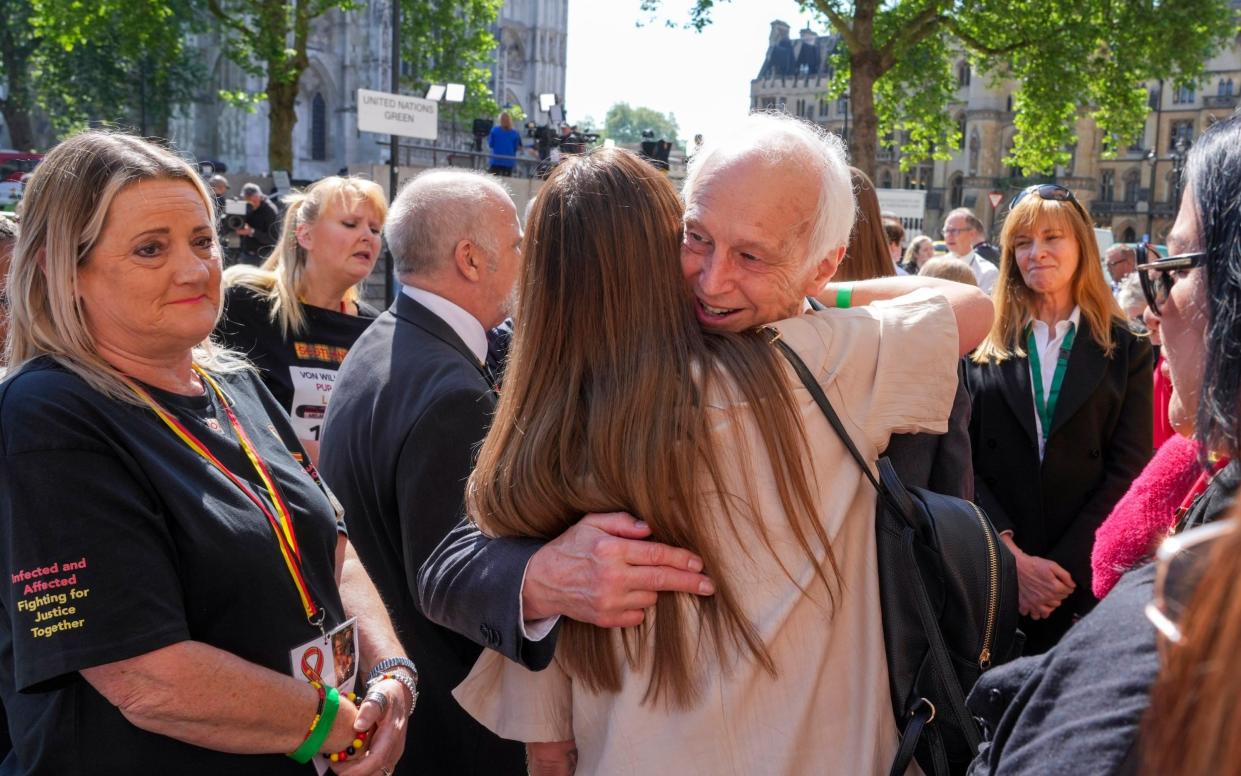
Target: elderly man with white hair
{"x":761,"y":210}
{"x":413,"y":399}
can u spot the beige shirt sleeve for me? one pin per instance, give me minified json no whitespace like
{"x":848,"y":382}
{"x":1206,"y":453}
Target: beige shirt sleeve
{"x":516,"y":703}
{"x":888,"y":367}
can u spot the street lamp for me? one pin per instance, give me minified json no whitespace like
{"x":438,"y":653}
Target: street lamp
{"x":1179,"y":152}
{"x":454,"y":93}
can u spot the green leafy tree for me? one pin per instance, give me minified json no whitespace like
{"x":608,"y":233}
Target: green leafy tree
{"x":624,"y":123}
{"x":121,"y":62}
{"x":268,"y":38}
{"x":451,"y":42}
{"x":17,"y":45}
{"x":896,"y":61}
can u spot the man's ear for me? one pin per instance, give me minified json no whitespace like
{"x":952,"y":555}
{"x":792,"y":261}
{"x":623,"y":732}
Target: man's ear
{"x":468,"y":260}
{"x":824,"y":272}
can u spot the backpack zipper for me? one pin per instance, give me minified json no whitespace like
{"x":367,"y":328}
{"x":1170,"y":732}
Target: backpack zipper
{"x":993,"y":593}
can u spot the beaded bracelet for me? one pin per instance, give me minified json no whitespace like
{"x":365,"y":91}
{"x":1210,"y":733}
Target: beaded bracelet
{"x":320,"y":726}
{"x":354,"y":747}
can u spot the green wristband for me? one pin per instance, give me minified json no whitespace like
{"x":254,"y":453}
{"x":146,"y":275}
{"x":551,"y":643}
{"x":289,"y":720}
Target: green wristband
{"x":844,"y":295}
{"x":319,"y":732}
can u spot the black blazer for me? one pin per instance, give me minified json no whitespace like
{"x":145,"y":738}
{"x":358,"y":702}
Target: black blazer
{"x":1101,"y":438}
{"x":410,"y":406}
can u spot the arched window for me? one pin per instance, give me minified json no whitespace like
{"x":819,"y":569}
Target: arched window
{"x":956,"y":191}
{"x":318,"y":128}
{"x":1128,"y":235}
{"x":963,"y":73}
{"x":1107,"y":186}
{"x":961,"y":129}
{"x":1133,"y":184}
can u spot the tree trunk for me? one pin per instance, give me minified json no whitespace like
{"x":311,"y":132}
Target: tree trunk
{"x":17,"y":119}
{"x":864,"y":71}
{"x":281,"y":116}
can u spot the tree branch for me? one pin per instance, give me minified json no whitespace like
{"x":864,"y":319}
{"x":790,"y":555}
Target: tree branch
{"x":917,"y":30}
{"x":839,"y":23}
{"x":983,"y":48}
{"x":228,"y":21}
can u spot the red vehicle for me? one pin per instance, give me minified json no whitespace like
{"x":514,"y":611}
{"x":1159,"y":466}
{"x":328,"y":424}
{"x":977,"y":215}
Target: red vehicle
{"x":15,"y":164}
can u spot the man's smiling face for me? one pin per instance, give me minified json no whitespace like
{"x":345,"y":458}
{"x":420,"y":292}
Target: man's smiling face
{"x":745,"y":253}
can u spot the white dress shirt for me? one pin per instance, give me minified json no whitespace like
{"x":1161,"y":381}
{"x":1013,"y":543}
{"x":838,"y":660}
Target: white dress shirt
{"x":984,"y":271}
{"x":1048,"y":354}
{"x":467,"y":327}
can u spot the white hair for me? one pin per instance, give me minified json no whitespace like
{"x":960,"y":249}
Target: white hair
{"x":434,"y":212}
{"x":1130,"y":296}
{"x":784,"y":141}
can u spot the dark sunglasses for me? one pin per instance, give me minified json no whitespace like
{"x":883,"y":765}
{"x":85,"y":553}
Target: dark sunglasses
{"x":1052,"y":191}
{"x":1157,"y":276}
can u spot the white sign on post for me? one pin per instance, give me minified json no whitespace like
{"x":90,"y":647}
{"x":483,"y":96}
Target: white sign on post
{"x":396,"y":114}
{"x":908,"y":205}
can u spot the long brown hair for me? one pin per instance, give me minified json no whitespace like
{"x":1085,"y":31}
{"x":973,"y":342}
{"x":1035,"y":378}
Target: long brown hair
{"x":1191,"y":724}
{"x":602,"y":410}
{"x":1013,"y":298}
{"x":867,"y":255}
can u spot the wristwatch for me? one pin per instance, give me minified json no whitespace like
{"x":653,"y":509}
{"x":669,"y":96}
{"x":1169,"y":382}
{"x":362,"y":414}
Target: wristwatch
{"x":384,"y":668}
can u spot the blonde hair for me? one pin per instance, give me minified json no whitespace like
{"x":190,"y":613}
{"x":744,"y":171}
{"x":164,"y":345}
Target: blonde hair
{"x":280,"y":278}
{"x":1014,"y":300}
{"x":63,"y":212}
{"x":915,"y":245}
{"x":949,"y":268}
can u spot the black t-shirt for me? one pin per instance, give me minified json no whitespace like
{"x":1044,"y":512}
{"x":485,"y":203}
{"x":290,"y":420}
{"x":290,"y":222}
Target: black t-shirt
{"x":116,"y":539}
{"x":299,"y":371}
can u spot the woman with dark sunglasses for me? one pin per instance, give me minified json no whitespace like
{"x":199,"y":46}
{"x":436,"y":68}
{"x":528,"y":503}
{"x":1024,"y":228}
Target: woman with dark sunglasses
{"x":1091,"y":693}
{"x":1062,"y":407}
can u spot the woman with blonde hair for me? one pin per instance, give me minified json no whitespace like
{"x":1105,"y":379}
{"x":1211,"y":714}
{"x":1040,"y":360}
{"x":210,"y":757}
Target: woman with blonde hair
{"x":176,"y":576}
{"x":616,"y":400}
{"x":921,"y":250}
{"x":1061,"y":393}
{"x":296,"y":316}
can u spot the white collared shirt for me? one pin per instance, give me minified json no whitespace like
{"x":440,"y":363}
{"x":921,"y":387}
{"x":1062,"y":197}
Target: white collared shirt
{"x":1048,"y":354}
{"x":984,"y":271}
{"x":467,"y":327}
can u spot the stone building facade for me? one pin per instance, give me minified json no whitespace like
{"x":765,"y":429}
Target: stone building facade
{"x":1132,"y":193}
{"x":348,"y":51}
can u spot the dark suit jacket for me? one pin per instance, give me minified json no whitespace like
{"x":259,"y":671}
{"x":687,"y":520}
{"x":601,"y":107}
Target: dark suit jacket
{"x":1100,"y":439}
{"x":409,"y":409}
{"x":942,"y":463}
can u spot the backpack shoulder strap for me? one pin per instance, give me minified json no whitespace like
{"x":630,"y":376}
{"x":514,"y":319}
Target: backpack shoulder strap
{"x":820,"y":398}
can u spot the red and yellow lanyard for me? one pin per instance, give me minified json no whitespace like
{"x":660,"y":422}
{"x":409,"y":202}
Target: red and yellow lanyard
{"x":281,"y":522}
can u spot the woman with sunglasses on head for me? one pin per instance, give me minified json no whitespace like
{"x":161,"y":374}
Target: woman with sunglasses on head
{"x":1062,"y":407}
{"x":1090,"y":693}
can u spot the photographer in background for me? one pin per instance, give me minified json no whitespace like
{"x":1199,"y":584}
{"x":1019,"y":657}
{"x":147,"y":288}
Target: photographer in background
{"x":219,"y":190}
{"x":258,"y":234}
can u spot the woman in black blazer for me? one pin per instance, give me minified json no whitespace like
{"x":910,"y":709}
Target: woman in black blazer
{"x":1061,"y":420}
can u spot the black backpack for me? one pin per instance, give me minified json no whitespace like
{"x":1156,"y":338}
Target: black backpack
{"x":948,"y":589}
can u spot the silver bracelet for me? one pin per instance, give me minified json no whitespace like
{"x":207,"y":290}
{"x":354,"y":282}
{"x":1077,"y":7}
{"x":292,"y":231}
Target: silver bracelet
{"x":406,"y":681}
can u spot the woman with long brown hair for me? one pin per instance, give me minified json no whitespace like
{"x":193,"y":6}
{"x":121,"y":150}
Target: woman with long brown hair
{"x":616,"y":398}
{"x":867,"y":255}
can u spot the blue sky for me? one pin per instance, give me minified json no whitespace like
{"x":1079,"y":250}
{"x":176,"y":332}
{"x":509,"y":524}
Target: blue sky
{"x":703,"y":78}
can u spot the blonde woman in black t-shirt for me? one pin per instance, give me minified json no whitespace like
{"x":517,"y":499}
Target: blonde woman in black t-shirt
{"x":175,"y":574}
{"x":297,"y":316}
